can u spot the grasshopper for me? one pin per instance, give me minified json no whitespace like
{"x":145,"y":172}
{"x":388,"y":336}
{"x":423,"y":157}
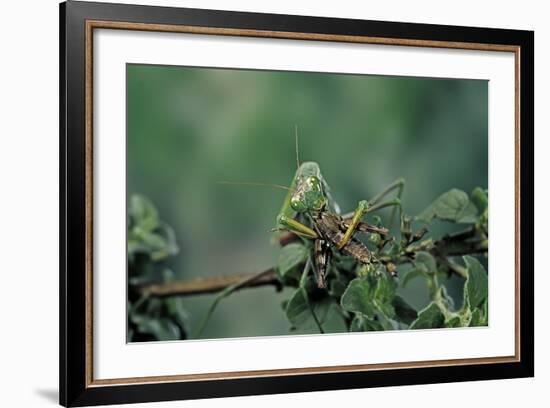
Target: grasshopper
{"x":310,"y":212}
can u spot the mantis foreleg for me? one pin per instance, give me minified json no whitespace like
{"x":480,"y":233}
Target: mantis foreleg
{"x":375,"y":204}
{"x":398,"y":185}
{"x":296,"y":227}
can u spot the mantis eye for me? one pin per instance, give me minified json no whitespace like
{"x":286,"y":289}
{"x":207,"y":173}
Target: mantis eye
{"x":313,"y":182}
{"x":297,"y":204}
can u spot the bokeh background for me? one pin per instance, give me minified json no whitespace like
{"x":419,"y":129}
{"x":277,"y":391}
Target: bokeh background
{"x":189,"y":128}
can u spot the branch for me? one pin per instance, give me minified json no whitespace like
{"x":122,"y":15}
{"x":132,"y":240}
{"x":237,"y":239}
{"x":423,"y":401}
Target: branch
{"x":450,"y":245}
{"x":213,"y":284}
{"x":461,"y":243}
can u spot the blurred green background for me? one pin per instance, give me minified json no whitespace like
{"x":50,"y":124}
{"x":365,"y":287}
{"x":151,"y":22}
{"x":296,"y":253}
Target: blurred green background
{"x":188,"y":128}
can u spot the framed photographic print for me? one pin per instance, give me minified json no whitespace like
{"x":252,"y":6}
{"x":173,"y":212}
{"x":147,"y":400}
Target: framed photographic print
{"x":256,"y":203}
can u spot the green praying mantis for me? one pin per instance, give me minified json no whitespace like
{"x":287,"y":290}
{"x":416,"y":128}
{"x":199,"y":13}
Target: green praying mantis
{"x":310,"y":212}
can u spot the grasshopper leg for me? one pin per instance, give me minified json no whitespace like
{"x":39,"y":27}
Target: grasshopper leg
{"x":363,"y":208}
{"x":358,"y":214}
{"x":322,"y":254}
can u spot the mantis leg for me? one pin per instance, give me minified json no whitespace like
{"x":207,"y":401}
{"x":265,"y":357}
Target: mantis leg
{"x":393,"y":203}
{"x":375,"y":204}
{"x":296,"y":227}
{"x":396,"y":185}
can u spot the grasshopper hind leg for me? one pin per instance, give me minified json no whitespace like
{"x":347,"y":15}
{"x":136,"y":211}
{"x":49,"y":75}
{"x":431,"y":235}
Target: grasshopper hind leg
{"x":322,"y":254}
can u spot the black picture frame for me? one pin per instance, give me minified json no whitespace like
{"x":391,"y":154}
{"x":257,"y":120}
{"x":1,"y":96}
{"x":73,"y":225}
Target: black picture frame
{"x":76,"y":386}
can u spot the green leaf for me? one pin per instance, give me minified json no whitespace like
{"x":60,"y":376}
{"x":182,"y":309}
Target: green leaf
{"x":360,"y":323}
{"x":390,"y":324}
{"x":410,"y":275}
{"x":177,"y":311}
{"x":290,"y":257}
{"x":485,"y":309}
{"x":479,"y":316}
{"x":156,"y":245}
{"x":476,"y":318}
{"x":446,"y":301}
{"x":404,"y":312}
{"x":385,"y":288}
{"x":385,"y":308}
{"x":454,"y":205}
{"x":297,"y":308}
{"x":284,"y":304}
{"x":135,"y":246}
{"x":160,"y":328}
{"x":369,"y":295}
{"x":142,"y":213}
{"x":338,"y":286}
{"x":394,"y":250}
{"x":158,"y":240}
{"x":453,"y":322}
{"x":167,"y":275}
{"x":333,"y":321}
{"x":425,"y":262}
{"x":170,"y":237}
{"x":384,"y":294}
{"x":327,"y":313}
{"x":480,"y":199}
{"x":358,"y":297}
{"x":154,"y":241}
{"x":428,"y":318}
{"x":476,"y":286}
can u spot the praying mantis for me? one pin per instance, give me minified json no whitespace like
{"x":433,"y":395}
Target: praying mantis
{"x":310,"y":212}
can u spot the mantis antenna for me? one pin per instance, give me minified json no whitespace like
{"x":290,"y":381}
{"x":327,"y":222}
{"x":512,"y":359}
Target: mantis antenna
{"x":246,"y":183}
{"x":296,"y":142}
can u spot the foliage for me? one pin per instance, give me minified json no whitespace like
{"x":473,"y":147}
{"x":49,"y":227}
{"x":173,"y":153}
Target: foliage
{"x":358,"y":297}
{"x":365,"y":297}
{"x":150,"y":243}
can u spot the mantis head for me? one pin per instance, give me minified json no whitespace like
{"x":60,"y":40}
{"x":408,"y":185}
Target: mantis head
{"x":308,"y":195}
